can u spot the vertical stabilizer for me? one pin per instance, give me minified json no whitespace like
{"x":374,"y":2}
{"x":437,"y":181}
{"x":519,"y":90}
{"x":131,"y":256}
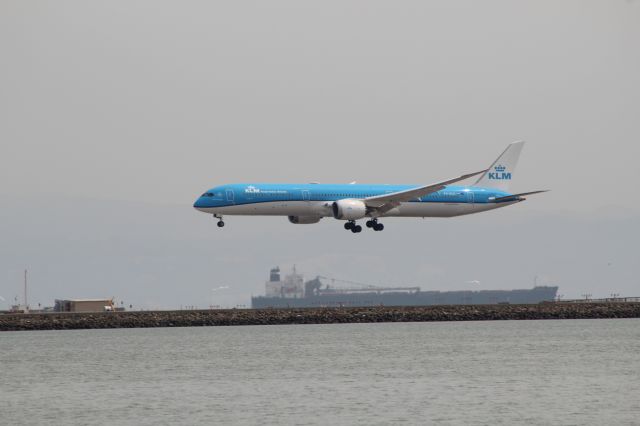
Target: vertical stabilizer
{"x":502,"y":171}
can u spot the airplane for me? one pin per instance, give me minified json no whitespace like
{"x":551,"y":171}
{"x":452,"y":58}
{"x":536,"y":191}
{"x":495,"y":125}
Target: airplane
{"x":309,"y":203}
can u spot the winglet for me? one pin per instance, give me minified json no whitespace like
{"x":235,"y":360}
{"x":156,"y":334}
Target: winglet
{"x":461,"y":177}
{"x":467,"y":176}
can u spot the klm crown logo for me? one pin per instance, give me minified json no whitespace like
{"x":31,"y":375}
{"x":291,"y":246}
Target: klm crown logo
{"x":500,"y":173}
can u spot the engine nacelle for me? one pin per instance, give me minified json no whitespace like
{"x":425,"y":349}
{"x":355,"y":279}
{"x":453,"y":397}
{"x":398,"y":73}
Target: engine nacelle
{"x":349,"y":209}
{"x":304,"y":220}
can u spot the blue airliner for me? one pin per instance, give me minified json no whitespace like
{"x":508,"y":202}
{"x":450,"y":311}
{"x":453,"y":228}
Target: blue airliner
{"x":308,"y":203}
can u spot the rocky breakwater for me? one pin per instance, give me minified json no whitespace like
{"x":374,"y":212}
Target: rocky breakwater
{"x":198,"y":318}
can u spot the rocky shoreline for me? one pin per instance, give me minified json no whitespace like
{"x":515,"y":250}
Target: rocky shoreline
{"x":199,"y":318}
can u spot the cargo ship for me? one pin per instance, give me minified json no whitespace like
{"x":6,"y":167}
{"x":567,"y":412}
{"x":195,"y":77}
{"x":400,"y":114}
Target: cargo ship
{"x":293,"y":292}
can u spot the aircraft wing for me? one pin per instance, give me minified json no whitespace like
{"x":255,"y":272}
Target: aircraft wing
{"x":385,"y":202}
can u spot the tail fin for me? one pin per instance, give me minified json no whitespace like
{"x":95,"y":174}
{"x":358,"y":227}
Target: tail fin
{"x":501,"y":172}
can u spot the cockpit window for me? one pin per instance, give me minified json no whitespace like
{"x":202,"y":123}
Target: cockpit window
{"x":216,"y":194}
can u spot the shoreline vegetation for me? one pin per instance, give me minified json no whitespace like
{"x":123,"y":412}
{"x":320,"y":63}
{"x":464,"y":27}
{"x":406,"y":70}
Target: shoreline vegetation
{"x":334,"y":315}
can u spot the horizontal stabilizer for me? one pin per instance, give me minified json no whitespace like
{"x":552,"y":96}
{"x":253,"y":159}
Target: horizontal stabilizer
{"x":516,"y":197}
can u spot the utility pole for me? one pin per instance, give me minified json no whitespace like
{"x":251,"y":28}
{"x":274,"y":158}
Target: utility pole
{"x":26,"y":304}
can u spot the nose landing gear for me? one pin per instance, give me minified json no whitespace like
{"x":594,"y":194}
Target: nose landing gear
{"x":220,"y":221}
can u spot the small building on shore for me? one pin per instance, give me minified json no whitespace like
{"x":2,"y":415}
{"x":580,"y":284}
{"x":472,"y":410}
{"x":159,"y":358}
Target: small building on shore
{"x":84,"y":305}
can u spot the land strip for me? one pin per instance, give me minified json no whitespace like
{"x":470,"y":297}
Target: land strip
{"x":215,"y":317}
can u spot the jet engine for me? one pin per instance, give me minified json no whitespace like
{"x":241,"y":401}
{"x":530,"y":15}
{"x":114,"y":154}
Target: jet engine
{"x":349,"y":209}
{"x":304,"y":220}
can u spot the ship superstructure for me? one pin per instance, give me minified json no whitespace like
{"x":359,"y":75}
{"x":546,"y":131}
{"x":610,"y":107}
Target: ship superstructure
{"x":291,"y":287}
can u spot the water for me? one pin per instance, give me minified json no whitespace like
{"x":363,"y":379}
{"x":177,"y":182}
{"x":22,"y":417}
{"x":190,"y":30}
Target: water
{"x":571,"y":372}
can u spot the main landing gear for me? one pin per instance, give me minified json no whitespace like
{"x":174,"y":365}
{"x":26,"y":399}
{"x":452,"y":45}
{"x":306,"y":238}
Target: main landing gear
{"x":220,"y":221}
{"x":351,"y":225}
{"x":373,"y":223}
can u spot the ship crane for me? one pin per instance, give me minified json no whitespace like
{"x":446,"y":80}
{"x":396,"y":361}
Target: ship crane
{"x":360,"y":287}
{"x":334,"y":280}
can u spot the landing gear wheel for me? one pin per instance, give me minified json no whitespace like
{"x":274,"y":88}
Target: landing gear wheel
{"x":369,"y":224}
{"x":378,"y":227}
{"x":356,"y":229}
{"x":349,"y":225}
{"x":220,"y":224}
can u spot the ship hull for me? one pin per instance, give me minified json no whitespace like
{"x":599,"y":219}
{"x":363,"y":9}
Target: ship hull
{"x":419,"y":298}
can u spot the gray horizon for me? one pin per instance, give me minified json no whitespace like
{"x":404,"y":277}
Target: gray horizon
{"x":115,"y":116}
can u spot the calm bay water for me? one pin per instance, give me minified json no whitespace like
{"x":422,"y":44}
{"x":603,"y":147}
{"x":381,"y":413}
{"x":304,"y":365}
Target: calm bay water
{"x":570,"y":372}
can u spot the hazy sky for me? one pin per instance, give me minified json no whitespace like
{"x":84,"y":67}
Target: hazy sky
{"x":115,"y":115}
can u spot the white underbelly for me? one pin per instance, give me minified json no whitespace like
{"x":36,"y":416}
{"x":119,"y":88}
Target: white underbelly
{"x":323,"y":208}
{"x":276,"y":208}
{"x":439,"y":209}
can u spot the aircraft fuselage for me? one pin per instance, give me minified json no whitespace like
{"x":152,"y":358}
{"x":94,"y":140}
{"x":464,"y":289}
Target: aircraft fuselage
{"x":317,"y":200}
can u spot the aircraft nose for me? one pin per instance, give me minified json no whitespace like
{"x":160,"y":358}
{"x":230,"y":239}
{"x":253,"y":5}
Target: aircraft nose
{"x":199,"y":204}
